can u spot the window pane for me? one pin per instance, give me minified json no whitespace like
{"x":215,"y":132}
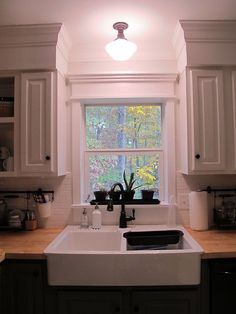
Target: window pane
{"x":122,"y":126}
{"x":105,"y":170}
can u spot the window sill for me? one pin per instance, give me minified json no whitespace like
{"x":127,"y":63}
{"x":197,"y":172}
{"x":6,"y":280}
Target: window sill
{"x":137,"y":206}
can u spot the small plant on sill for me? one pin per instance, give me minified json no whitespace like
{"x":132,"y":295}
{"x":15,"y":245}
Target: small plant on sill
{"x":146,"y":174}
{"x":101,"y":194}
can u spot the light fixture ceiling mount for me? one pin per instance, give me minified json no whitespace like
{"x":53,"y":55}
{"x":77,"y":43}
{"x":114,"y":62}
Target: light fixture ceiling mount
{"x":120,"y":27}
{"x":120,"y":49}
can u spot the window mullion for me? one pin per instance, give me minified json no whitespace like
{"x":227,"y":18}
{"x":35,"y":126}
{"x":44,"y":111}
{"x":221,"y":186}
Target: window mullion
{"x":121,"y":150}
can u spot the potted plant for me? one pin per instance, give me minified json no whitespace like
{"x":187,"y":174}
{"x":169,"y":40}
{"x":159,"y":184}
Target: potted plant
{"x":129,"y":188}
{"x":101,"y":194}
{"x":146,"y":174}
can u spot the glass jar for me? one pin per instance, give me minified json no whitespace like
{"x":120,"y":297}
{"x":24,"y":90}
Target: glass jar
{"x":14,"y":221}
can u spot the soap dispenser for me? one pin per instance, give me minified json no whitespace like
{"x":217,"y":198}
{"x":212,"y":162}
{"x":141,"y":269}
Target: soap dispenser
{"x":84,"y":220}
{"x":96,"y":218}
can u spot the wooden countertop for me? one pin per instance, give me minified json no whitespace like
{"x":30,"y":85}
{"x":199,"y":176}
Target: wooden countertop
{"x":26,"y":244}
{"x":216,"y":243}
{"x":31,"y":244}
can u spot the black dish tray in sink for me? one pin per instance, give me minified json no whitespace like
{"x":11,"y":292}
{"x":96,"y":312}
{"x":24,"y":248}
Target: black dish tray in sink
{"x":154,"y":240}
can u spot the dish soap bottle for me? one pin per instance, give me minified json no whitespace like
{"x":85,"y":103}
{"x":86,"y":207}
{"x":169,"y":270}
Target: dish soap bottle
{"x":171,"y":219}
{"x":96,"y":218}
{"x":84,"y":220}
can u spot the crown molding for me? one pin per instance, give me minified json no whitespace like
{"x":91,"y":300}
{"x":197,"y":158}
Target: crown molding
{"x":209,"y":30}
{"x":194,"y":31}
{"x":36,"y":46}
{"x":194,"y":41}
{"x":121,"y":78}
{"x":35,"y":35}
{"x":29,"y":35}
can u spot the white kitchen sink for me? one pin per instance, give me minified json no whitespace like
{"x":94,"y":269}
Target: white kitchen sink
{"x":75,"y":240}
{"x":80,"y":257}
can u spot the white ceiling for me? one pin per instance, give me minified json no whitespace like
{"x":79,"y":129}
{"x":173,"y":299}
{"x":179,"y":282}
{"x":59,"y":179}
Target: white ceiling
{"x":89,"y":22}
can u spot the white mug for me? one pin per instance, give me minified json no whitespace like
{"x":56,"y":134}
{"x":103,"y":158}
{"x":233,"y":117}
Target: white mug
{"x":4,"y":152}
{"x":8,"y":164}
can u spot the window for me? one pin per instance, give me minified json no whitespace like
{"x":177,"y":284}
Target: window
{"x":122,"y":137}
{"x":107,"y":92}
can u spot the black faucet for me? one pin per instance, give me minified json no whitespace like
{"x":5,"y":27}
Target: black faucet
{"x":124,"y":218}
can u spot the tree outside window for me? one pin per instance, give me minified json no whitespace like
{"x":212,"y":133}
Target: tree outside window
{"x":123,"y":137}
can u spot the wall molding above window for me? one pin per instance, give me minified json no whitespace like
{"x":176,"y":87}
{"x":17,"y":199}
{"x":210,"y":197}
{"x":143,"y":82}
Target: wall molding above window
{"x":108,"y":78}
{"x":136,"y":85}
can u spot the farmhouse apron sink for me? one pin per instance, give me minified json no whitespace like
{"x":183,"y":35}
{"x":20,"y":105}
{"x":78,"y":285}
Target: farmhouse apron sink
{"x":140,"y":255}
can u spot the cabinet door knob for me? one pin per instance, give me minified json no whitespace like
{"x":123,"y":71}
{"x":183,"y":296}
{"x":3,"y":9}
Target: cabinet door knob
{"x":47,"y":157}
{"x":197,"y":156}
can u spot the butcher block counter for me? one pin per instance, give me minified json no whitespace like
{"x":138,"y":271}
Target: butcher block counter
{"x":26,"y":244}
{"x":216,"y":243}
{"x":31,"y":244}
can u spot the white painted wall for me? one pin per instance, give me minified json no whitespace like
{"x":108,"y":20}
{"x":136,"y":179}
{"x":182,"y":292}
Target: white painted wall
{"x":61,"y":209}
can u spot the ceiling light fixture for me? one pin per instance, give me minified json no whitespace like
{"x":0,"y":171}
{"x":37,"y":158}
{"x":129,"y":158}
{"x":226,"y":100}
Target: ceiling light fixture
{"x":120,"y":49}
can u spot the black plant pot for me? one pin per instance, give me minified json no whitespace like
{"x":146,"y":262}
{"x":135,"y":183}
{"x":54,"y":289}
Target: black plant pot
{"x":100,"y":195}
{"x":128,"y":195}
{"x":147,"y":195}
{"x":115,"y":195}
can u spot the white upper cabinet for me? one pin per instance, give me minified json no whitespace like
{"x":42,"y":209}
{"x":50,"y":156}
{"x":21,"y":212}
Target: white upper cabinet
{"x":35,"y":132}
{"x":208,"y":121}
{"x":206,"y":60}
{"x":37,"y":122}
{"x":233,"y":80}
{"x":41,"y":139}
{"x":206,"y":101}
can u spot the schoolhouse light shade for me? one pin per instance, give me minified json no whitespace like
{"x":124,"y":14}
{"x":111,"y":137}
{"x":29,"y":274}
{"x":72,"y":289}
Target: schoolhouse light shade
{"x":120,"y":49}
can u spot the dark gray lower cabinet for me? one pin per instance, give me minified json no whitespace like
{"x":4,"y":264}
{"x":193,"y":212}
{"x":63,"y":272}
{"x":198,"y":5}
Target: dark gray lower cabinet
{"x":165,"y":302}
{"x":25,"y":291}
{"x":1,"y":290}
{"x":124,"y":300}
{"x":23,"y":287}
{"x":223,"y":286}
{"x":89,"y":302}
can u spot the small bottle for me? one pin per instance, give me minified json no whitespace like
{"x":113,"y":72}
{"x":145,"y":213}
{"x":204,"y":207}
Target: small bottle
{"x":84,"y":224}
{"x":171,"y":219}
{"x":96,"y":218}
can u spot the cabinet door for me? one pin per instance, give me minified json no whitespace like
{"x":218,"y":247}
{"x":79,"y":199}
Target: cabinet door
{"x":165,"y":302}
{"x":89,"y":302}
{"x":24,"y":291}
{"x":1,"y":291}
{"x":223,"y":286}
{"x":207,"y":139}
{"x":234,"y":113}
{"x":36,"y":122}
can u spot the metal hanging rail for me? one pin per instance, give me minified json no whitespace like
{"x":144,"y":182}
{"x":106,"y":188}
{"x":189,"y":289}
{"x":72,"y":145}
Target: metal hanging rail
{"x":209,"y":189}
{"x":29,"y":193}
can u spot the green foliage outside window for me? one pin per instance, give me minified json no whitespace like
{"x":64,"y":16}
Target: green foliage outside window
{"x":123,"y":128}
